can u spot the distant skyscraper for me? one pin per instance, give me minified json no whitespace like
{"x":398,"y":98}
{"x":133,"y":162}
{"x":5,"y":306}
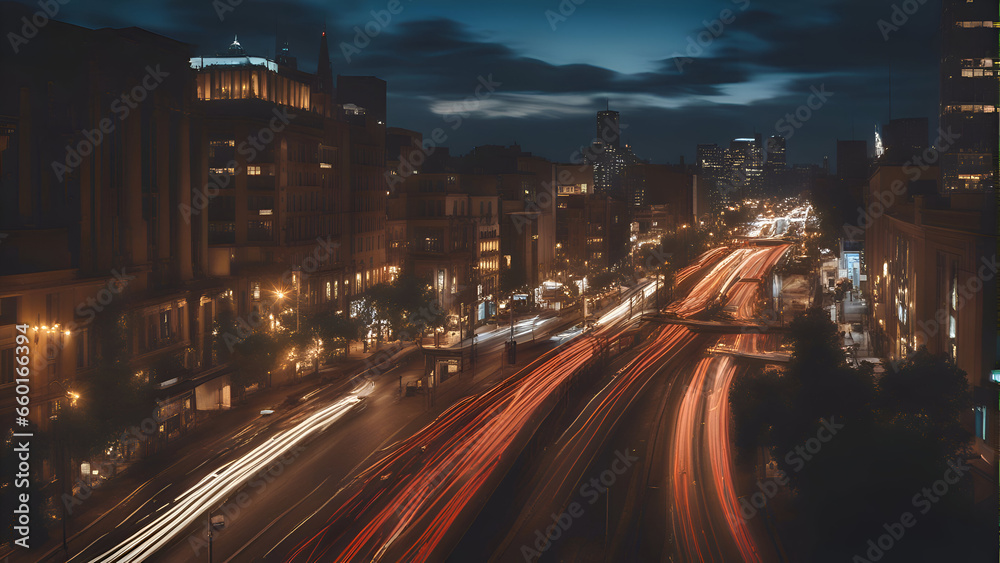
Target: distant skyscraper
{"x":904,"y":139}
{"x":609,"y":158}
{"x":852,"y":160}
{"x":774,"y":167}
{"x":969,"y":68}
{"x":745,"y":164}
{"x":712,"y":173}
{"x":711,"y":160}
{"x":368,"y":92}
{"x":608,"y":128}
{"x":283,"y":55}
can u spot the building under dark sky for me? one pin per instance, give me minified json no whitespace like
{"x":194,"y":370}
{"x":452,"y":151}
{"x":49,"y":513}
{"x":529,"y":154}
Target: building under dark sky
{"x":969,"y":71}
{"x":553,"y":80}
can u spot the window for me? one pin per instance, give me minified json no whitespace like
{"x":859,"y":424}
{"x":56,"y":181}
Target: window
{"x":981,"y":427}
{"x":253,"y":170}
{"x":260,"y":230}
{"x":165,"y":324}
{"x":329,"y":290}
{"x":82,"y":339}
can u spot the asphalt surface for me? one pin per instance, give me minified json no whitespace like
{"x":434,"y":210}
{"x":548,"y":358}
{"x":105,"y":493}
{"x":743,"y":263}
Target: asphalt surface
{"x":356,"y":470}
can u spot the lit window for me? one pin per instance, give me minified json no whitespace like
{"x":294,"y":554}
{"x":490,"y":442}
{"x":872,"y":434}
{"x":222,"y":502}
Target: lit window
{"x":981,"y":420}
{"x":253,"y":170}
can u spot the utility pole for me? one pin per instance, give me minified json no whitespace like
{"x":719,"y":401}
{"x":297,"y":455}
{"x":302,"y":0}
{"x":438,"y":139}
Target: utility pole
{"x":512,"y":317}
{"x":298,"y":284}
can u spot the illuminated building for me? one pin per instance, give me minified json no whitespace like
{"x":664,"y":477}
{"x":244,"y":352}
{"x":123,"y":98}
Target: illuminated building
{"x":449,"y":226}
{"x":969,"y":79}
{"x":745,"y":166}
{"x":928,"y":271}
{"x":102,"y":231}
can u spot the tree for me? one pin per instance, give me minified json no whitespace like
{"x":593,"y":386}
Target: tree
{"x":256,"y":356}
{"x":892,"y":438}
{"x":114,"y":397}
{"x":336,"y":331}
{"x":930,"y":395}
{"x":417,"y":308}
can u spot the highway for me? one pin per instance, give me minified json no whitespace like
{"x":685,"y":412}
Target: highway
{"x":377,"y":482}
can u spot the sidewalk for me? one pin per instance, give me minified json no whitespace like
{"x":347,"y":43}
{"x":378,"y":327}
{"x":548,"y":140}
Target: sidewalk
{"x":207,"y":427}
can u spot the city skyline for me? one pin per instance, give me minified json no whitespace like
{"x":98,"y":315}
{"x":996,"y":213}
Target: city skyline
{"x":655,"y":77}
{"x":422,"y":282}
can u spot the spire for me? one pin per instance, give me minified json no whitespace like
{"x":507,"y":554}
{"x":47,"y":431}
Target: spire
{"x":235,"y":49}
{"x":324,"y":75}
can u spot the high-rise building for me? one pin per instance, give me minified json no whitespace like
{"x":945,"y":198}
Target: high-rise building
{"x":608,"y":129}
{"x":852,"y":160}
{"x":745,"y":166}
{"x":283,"y":54}
{"x":368,"y":92}
{"x":903,"y":140}
{"x":100,"y":218}
{"x":924,"y":258}
{"x":969,"y":71}
{"x":609,"y":158}
{"x":295,"y":172}
{"x":775,"y":165}
{"x":711,"y":167}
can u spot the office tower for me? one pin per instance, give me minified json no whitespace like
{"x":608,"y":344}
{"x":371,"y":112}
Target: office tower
{"x":283,"y":54}
{"x":852,"y":160}
{"x":904,"y":140}
{"x":774,"y":167}
{"x":368,"y":92}
{"x":968,"y":109}
{"x":745,"y":165}
{"x":608,"y":128}
{"x":711,"y":160}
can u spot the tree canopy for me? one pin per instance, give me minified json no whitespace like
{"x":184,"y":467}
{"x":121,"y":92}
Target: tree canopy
{"x":897,"y":435}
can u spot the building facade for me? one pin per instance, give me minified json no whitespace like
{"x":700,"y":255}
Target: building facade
{"x":933,"y":283}
{"x":969,"y":90}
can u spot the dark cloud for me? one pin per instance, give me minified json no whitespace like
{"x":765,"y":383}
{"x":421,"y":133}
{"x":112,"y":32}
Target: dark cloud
{"x":760,"y":67}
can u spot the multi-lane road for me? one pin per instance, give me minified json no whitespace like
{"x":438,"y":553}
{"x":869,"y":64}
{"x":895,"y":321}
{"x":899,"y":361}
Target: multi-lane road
{"x":355,"y":473}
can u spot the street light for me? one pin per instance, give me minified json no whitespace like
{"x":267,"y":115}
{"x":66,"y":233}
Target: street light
{"x":73,"y":397}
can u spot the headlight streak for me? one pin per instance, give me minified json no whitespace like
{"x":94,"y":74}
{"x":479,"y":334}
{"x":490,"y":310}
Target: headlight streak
{"x":706,"y":401}
{"x":219,"y":485}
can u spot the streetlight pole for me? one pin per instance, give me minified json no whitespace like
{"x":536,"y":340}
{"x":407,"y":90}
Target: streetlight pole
{"x":298,"y":285}
{"x":63,"y":469}
{"x":512,"y":317}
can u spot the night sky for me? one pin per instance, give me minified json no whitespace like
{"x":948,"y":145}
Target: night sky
{"x":760,"y":67}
